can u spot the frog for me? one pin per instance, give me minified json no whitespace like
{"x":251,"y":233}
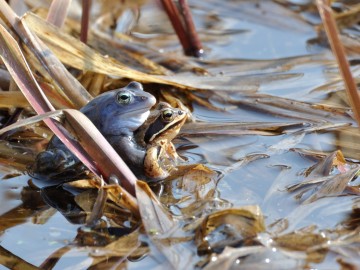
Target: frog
{"x":157,"y":133}
{"x":117,"y":114}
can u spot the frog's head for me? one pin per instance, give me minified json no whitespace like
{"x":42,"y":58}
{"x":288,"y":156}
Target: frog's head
{"x":166,"y":124}
{"x":120,"y":111}
{"x":161,"y":154}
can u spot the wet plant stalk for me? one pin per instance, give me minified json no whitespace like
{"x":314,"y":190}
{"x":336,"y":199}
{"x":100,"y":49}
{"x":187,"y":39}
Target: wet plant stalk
{"x":174,"y":17}
{"x":340,"y":55}
{"x":185,"y":28}
{"x":195,"y":43}
{"x":85,"y":17}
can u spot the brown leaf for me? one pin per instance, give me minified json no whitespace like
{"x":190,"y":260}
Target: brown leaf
{"x":227,"y":258}
{"x":247,"y":221}
{"x":251,"y":214}
{"x":160,"y":226}
{"x":314,"y":245}
{"x":335,"y":185}
{"x":122,"y":248}
{"x":156,"y":219}
{"x":300,"y":241}
{"x":198,"y":176}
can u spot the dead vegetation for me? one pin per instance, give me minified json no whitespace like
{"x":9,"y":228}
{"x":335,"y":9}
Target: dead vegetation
{"x":272,"y":143}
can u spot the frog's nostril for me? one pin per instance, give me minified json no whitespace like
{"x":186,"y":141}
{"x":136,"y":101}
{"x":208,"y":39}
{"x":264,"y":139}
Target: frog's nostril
{"x":180,"y":112}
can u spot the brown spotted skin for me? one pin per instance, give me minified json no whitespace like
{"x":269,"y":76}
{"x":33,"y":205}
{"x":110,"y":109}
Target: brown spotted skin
{"x":161,"y":154}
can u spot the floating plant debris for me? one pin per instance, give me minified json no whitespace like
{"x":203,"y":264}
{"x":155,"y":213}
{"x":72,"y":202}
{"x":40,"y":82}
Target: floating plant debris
{"x":263,"y":174}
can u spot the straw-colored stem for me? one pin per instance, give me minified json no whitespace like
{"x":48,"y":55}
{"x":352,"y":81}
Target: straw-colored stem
{"x":57,"y":12}
{"x":339,"y":52}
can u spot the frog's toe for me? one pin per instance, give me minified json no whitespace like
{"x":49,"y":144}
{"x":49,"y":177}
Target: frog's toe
{"x":62,"y":160}
{"x":43,"y":162}
{"x":53,"y":160}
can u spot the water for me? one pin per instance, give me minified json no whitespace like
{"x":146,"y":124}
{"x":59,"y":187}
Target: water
{"x":255,"y":165}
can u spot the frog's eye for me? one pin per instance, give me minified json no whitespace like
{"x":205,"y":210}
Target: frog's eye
{"x":167,"y":115}
{"x":124,"y":97}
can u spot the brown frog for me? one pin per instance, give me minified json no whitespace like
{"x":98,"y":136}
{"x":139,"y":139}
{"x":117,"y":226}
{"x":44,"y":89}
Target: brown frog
{"x":157,"y":133}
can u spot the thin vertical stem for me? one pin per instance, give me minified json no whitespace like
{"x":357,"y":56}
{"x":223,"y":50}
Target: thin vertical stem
{"x":85,"y":17}
{"x":174,"y":16}
{"x":195,"y":43}
{"x":340,"y":55}
{"x":184,"y":27}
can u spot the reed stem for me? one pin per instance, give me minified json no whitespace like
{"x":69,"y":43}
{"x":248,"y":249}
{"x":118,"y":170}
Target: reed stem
{"x":338,"y":50}
{"x":85,"y":18}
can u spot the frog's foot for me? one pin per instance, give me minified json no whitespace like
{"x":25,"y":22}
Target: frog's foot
{"x":52,"y":161}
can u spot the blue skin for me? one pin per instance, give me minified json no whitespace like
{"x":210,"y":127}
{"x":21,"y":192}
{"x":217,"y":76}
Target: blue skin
{"x":117,"y":114}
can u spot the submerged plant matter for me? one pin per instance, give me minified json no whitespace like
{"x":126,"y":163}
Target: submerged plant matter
{"x":263,"y":173}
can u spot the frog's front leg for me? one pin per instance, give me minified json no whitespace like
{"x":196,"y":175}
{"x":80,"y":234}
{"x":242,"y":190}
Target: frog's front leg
{"x":53,"y":160}
{"x":152,"y":166}
{"x":173,"y":155}
{"x":131,"y":153}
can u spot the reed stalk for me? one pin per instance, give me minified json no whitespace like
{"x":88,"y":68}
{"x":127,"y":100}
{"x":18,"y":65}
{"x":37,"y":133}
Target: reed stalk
{"x":338,"y":50}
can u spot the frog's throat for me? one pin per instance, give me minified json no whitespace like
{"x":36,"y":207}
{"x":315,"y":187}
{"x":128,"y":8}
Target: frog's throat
{"x":175,"y":125}
{"x":144,"y":116}
{"x":131,"y":113}
{"x":126,"y":130}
